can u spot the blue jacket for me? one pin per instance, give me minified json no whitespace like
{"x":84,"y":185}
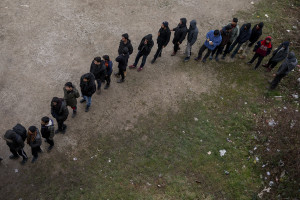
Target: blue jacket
{"x":215,"y":39}
{"x":109,"y":68}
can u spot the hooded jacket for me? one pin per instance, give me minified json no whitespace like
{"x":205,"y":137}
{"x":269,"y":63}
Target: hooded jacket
{"x":145,"y":49}
{"x":235,"y":32}
{"x":262,"y":48}
{"x":281,"y":52}
{"x":288,"y":65}
{"x":215,"y":39}
{"x":122,"y":60}
{"x":37,"y":141}
{"x":122,"y":45}
{"x":180,"y":32}
{"x":192,"y":32}
{"x":48,"y":130}
{"x":225,"y":36}
{"x":244,"y":33}
{"x":256,"y":33}
{"x":70,"y":96}
{"x":88,"y":88}
{"x":13,"y":140}
{"x":61,"y":113}
{"x":164,"y":36}
{"x":99,"y":71}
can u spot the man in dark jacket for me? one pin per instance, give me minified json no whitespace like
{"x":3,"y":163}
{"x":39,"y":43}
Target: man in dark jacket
{"x":70,"y":95}
{"x":144,"y":50}
{"x":16,"y":145}
{"x":163,"y":39}
{"x":109,"y":69}
{"x":60,"y":112}
{"x":286,"y":67}
{"x":88,"y":88}
{"x":278,"y":55}
{"x":179,"y":35}
{"x":191,"y":39}
{"x":245,"y":33}
{"x":226,"y":35}
{"x":123,"y":61}
{"x":99,"y":71}
{"x":235,"y":32}
{"x":255,"y":35}
{"x":34,"y":140}
{"x":125,"y":42}
{"x":47,"y":130}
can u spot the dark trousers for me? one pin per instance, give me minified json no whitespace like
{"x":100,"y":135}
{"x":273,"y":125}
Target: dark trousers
{"x":271,"y":64}
{"x":51,"y":142}
{"x":227,"y":48}
{"x":20,"y":152}
{"x":107,"y":78}
{"x":158,"y":52}
{"x":260,"y":58}
{"x":236,"y":49}
{"x":176,"y":47}
{"x":35,"y":151}
{"x":60,"y":124}
{"x":276,"y":80}
{"x":218,"y":49}
{"x":121,"y":73}
{"x":98,"y":83}
{"x":201,"y":50}
{"x":137,"y":58}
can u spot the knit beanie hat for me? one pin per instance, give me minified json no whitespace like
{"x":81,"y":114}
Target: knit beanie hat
{"x":126,"y":36}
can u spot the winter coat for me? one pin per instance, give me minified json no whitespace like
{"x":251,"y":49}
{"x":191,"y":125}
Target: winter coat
{"x":145,"y":49}
{"x":192,"y":33}
{"x":48,"y":130}
{"x":122,"y":45}
{"x":215,"y":39}
{"x":70,"y":96}
{"x":225,"y":37}
{"x":122,"y":60}
{"x":13,"y":140}
{"x":244,"y":35}
{"x":262,"y":49}
{"x":255,"y":34}
{"x":180,"y":32}
{"x":88,"y":88}
{"x":99,"y":71}
{"x":235,"y":32}
{"x":280,"y":53}
{"x":288,"y":65}
{"x":164,"y":37}
{"x":37,"y":141}
{"x":62,"y":113}
{"x":108,"y":67}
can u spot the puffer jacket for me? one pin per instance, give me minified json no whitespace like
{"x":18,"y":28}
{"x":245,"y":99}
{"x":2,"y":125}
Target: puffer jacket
{"x":164,"y":37}
{"x":88,"y":88}
{"x":37,"y":141}
{"x":13,"y":140}
{"x":180,"y":32}
{"x":145,"y":49}
{"x":99,"y":71}
{"x":62,"y":113}
{"x":48,"y":130}
{"x":71,"y":96}
{"x":280,"y":53}
{"x":122,"y":45}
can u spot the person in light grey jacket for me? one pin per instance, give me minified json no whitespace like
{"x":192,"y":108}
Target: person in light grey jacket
{"x":34,"y":139}
{"x":191,"y":39}
{"x":278,"y":55}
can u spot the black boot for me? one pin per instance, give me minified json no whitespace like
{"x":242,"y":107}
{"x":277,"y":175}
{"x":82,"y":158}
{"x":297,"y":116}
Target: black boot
{"x":24,"y":161}
{"x":74,"y":113}
{"x":34,"y":159}
{"x":82,"y":100}
{"x":87,"y":108}
{"x":13,"y":157}
{"x":106,"y":87}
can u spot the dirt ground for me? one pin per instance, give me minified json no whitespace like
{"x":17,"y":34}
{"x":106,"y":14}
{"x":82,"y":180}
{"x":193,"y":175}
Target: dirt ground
{"x":47,"y":43}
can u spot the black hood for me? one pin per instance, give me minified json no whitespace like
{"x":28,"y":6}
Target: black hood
{"x":183,"y":20}
{"x":148,"y":37}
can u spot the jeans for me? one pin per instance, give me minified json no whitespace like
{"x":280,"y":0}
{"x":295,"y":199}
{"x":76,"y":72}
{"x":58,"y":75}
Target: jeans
{"x":20,"y":152}
{"x":260,"y":58}
{"x":276,"y":80}
{"x":188,"y":49}
{"x":236,"y":49}
{"x":158,"y":52}
{"x":201,"y":50}
{"x":88,"y":100}
{"x":138,"y":56}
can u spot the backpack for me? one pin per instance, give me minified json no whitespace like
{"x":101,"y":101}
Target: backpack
{"x":21,"y":131}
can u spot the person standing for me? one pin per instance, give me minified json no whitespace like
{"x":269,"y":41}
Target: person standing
{"x":226,"y":35}
{"x":47,"y":130}
{"x":98,"y":69}
{"x":179,"y":35}
{"x":125,"y":42}
{"x":163,"y":39}
{"x":191,"y":39}
{"x":235,"y":32}
{"x":213,"y":39}
{"x":145,"y":47}
{"x":123,"y":61}
{"x":88,"y":88}
{"x":286,"y":67}
{"x":70,"y":96}
{"x":245,"y":33}
{"x":60,"y":112}
{"x":278,"y":55}
{"x":34,"y":140}
{"x":255,"y":35}
{"x":109,"y":69}
{"x":261,"y":49}
{"x":16,"y":145}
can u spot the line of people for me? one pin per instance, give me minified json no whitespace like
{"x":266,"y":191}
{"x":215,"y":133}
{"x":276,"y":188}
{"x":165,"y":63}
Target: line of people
{"x":229,"y":39}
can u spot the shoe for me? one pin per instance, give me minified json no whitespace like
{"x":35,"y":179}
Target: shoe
{"x":99,"y":91}
{"x":173,"y":54}
{"x":117,"y":75}
{"x":178,"y":48}
{"x":45,"y":140}
{"x":106,"y":87}
{"x":217,"y":59}
{"x":50,"y":147}
{"x":269,"y":69}
{"x":139,"y":69}
{"x":74,"y":114}
{"x":132,"y":66}
{"x":87,"y":108}
{"x":240,"y":51}
{"x":153,"y":61}
{"x":57,"y":131}
{"x":34,"y":159}
{"x":249,"y":63}
{"x":265,"y":65}
{"x":197,"y":59}
{"x":1,"y":159}
{"x":232,"y":56}
{"x":63,"y":131}
{"x":210,"y":57}
{"x":223,"y":58}
{"x":40,"y":151}
{"x":82,"y":100}
{"x":159,"y":55}
{"x":24,"y":161}
{"x":13,"y":157}
{"x":120,"y":81}
{"x":242,"y":57}
{"x":204,"y":60}
{"x":186,"y":58}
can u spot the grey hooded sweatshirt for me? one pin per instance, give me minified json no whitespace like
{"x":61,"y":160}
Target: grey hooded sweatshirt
{"x":288,"y":65}
{"x":192,"y":32}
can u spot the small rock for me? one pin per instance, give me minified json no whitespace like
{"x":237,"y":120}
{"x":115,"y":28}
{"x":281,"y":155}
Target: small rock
{"x":222,"y":152}
{"x":266,"y":15}
{"x":109,"y":160}
{"x":209,"y":153}
{"x":74,"y":158}
{"x":196,"y":119}
{"x":288,"y":31}
{"x":226,"y":172}
{"x":16,"y":170}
